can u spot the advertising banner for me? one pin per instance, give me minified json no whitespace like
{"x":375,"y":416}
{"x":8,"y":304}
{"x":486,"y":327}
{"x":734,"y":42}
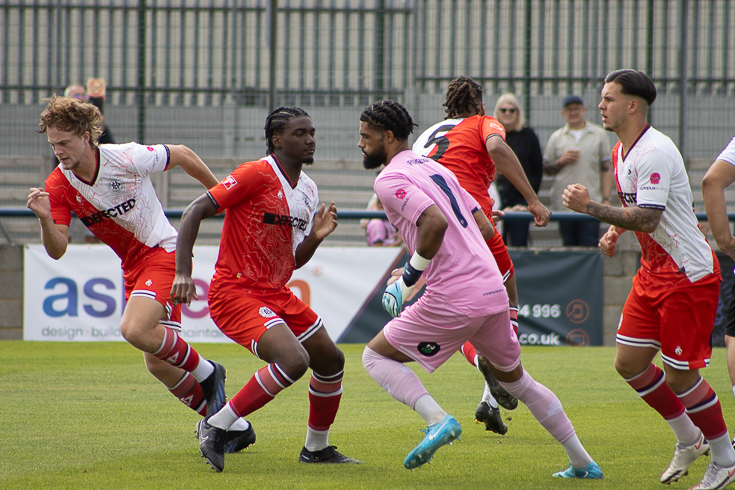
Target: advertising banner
{"x":81,"y":298}
{"x":560,"y":297}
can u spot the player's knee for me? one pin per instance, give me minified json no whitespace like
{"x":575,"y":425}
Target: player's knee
{"x":295,"y":364}
{"x":625,"y":370}
{"x":129,"y":332}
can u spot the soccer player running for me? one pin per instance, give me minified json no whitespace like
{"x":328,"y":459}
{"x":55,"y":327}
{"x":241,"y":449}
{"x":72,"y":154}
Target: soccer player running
{"x":718,"y":177}
{"x":471,"y":145}
{"x":673,"y":302}
{"x":109,"y":188}
{"x":272,"y":226}
{"x":445,"y":229}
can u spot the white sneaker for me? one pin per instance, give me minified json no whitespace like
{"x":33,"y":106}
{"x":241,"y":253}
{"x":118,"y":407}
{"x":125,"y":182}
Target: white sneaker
{"x":716,"y":477}
{"x":684,"y":456}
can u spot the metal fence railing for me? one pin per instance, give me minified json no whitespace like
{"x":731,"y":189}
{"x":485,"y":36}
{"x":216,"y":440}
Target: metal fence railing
{"x":206,"y":71}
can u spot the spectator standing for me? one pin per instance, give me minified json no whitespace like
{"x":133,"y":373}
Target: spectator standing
{"x":578,"y":153}
{"x":525,"y":144}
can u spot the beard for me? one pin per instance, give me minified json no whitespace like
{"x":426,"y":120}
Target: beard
{"x":308,"y":161}
{"x":374,"y":160}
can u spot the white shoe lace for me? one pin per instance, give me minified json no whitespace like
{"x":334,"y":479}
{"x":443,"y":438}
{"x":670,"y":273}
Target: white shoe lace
{"x":712,"y":477}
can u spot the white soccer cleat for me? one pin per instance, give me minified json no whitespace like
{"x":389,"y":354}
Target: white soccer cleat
{"x":684,"y":456}
{"x":716,"y":477}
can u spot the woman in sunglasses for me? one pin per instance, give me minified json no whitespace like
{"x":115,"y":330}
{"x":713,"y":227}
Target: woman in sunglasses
{"x":525,"y":144}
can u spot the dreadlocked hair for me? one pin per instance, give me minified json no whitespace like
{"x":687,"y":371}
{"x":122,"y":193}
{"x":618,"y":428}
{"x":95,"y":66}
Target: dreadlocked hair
{"x":73,"y":115}
{"x":390,"y":116}
{"x":276,"y":122}
{"x":464,"y":95}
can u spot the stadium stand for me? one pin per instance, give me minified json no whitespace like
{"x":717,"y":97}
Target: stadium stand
{"x":344,"y":182}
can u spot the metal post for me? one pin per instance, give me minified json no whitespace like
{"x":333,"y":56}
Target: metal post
{"x":141,"y":70}
{"x":683,"y":68}
{"x":272,"y":18}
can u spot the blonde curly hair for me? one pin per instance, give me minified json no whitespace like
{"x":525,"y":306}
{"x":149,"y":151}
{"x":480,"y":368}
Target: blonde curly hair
{"x":74,"y":115}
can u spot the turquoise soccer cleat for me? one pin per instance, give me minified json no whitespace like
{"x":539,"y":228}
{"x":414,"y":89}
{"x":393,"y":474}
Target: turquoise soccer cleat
{"x":437,"y":435}
{"x":590,"y":472}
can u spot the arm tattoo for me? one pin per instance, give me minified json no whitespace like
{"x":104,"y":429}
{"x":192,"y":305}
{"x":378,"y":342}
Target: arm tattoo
{"x":635,"y":219}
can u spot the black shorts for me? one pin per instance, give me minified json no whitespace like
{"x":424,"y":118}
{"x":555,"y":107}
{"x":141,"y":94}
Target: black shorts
{"x":730,"y":321}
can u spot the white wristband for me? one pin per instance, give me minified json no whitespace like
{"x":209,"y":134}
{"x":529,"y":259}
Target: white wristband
{"x":418,"y":262}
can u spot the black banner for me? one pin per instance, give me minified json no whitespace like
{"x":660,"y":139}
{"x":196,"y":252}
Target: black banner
{"x":560,"y":300}
{"x":726,"y":297}
{"x":560,"y":297}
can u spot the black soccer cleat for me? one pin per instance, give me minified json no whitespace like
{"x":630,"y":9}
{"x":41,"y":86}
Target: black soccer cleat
{"x":491,"y":418}
{"x":214,"y":389}
{"x":504,"y":399}
{"x":212,"y":444}
{"x":237,"y":440}
{"x":327,"y":455}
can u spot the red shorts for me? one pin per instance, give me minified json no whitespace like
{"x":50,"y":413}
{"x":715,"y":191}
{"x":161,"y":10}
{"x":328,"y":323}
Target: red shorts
{"x":676,"y":318}
{"x":244,"y":315}
{"x":152,"y":277}
{"x":500,"y":252}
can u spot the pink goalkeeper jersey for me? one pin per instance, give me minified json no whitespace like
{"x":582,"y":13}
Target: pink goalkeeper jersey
{"x":463,"y":275}
{"x":119,"y":205}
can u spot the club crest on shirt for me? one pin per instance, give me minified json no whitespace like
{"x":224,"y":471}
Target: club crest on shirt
{"x":266,"y":312}
{"x":229,"y":182}
{"x":115,"y":186}
{"x":400,"y":193}
{"x":655,"y":178}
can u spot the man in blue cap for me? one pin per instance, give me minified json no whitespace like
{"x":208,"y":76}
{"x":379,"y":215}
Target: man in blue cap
{"x":578,"y":152}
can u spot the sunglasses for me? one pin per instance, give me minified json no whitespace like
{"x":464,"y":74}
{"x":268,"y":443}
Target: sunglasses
{"x":503,"y":110}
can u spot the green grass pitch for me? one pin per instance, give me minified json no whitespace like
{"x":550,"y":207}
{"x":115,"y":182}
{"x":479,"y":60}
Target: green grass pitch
{"x":89,"y":416}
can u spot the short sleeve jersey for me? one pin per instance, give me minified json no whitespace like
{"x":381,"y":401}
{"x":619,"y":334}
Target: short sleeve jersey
{"x":463,"y":276}
{"x":267,"y":217}
{"x":460,"y":146}
{"x":119,"y":206}
{"x":728,"y":154}
{"x":652,"y":175}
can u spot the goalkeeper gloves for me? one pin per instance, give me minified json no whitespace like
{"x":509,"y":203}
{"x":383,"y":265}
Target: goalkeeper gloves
{"x":397,"y":292}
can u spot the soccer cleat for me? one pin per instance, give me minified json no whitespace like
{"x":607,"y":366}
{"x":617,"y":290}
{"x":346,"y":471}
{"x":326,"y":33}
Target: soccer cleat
{"x":716,"y":477}
{"x":491,"y":417}
{"x":237,"y":440}
{"x":437,"y":435}
{"x":214,"y":389}
{"x":590,"y":472}
{"x":327,"y":455}
{"x":212,"y":444}
{"x":505,"y":399}
{"x":683,"y":458}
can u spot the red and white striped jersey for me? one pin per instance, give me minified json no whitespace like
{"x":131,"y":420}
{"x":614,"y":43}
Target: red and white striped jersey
{"x":119,"y":205}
